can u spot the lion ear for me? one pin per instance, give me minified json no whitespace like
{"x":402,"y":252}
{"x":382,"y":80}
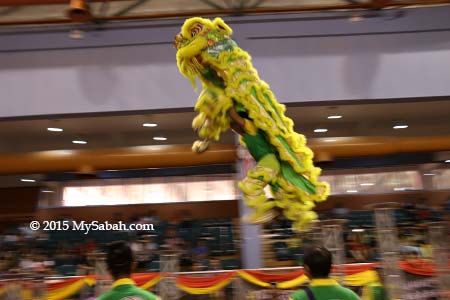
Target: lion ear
{"x":218,"y":22}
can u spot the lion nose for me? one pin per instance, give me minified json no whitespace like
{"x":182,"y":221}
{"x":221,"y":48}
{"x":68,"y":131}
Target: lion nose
{"x":178,"y":38}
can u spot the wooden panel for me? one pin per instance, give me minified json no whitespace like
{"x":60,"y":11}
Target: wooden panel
{"x":182,"y":155}
{"x":18,"y":203}
{"x":117,"y":158}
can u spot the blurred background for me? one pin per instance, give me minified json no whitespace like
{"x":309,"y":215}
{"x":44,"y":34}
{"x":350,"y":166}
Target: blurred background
{"x":95,"y":124}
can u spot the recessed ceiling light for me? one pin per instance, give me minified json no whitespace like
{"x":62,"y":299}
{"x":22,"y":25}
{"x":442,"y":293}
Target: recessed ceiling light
{"x":55,"y":129}
{"x":329,"y":140}
{"x":320,"y":130}
{"x":447,"y":161}
{"x":47,"y":191}
{"x":429,"y":174}
{"x":352,"y":191}
{"x":79,"y":142}
{"x":159,"y":138}
{"x":367,"y":184}
{"x":27,"y":180}
{"x":358,"y":230}
{"x":334,"y":117}
{"x":400,"y":126}
{"x":149,"y":124}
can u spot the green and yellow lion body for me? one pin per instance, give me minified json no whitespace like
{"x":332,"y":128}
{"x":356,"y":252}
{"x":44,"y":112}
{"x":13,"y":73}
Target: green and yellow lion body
{"x":206,"y":51}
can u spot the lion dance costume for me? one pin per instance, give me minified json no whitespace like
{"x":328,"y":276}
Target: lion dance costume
{"x":230,"y":83}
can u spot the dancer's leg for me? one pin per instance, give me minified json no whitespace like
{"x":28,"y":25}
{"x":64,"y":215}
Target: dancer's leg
{"x":253,"y":186}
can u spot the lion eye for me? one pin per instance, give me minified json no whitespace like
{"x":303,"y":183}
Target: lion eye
{"x":196,"y":29}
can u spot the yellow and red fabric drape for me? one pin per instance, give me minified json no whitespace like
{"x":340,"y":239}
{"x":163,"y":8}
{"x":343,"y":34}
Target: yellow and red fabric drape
{"x":264,"y":279}
{"x":352,"y":275}
{"x":418,"y":267}
{"x":62,"y":289}
{"x":146,"y":280}
{"x":360,"y":274}
{"x":204,"y":285}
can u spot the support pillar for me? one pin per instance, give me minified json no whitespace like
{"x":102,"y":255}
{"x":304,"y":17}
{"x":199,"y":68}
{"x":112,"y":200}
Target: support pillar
{"x":169,"y":264}
{"x":438,"y":233}
{"x":104,"y":281}
{"x":388,"y":246}
{"x":250,"y":234}
{"x":332,"y":239}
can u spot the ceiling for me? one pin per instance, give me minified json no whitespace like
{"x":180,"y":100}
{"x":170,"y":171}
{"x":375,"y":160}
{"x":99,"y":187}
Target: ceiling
{"x":19,"y":12}
{"x":424,"y":118}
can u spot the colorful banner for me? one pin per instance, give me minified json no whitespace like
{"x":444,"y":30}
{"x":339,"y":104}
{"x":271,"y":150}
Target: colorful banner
{"x":357,"y":268}
{"x":418,"y":267}
{"x":356,"y":275}
{"x":146,"y":280}
{"x":62,"y":289}
{"x":271,"y":277}
{"x":204,"y":285}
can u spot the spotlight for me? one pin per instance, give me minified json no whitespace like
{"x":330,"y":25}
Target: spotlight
{"x":79,"y":11}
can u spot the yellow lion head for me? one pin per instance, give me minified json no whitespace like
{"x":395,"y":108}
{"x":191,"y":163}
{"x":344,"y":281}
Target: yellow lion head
{"x":196,"y":27}
{"x":197,"y":34}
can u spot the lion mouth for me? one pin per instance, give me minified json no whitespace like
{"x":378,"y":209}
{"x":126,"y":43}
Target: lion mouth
{"x":177,"y":41}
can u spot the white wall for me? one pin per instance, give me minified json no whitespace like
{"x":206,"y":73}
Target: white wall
{"x":43,"y":72}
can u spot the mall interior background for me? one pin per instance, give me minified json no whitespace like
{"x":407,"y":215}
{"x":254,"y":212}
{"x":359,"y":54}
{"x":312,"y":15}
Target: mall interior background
{"x":368,"y":86}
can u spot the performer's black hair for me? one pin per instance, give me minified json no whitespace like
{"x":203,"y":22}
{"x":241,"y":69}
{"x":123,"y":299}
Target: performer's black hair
{"x":319,"y":261}
{"x":119,"y":259}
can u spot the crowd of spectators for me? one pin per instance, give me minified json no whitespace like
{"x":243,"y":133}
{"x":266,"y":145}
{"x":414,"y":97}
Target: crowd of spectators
{"x":199,"y":244}
{"x":359,"y":233}
{"x":60,"y":253}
